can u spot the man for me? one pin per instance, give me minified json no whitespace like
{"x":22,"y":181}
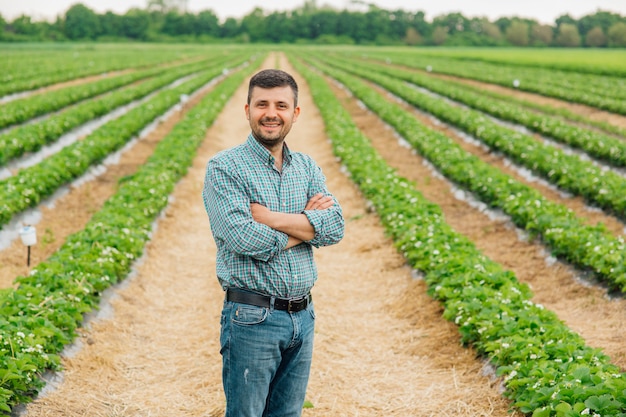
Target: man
{"x":268,"y":207}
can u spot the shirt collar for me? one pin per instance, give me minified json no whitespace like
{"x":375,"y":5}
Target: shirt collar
{"x":265,"y":155}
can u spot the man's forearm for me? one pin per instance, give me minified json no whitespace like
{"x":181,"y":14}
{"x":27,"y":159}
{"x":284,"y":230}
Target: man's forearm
{"x":294,"y":225}
{"x":292,"y":241}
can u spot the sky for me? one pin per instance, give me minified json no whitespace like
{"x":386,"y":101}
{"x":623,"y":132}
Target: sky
{"x":544,"y":11}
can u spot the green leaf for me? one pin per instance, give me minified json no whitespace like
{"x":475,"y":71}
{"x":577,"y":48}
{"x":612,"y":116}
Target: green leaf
{"x":541,"y":412}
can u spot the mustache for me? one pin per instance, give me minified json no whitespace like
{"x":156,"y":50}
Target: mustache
{"x":270,"y":119}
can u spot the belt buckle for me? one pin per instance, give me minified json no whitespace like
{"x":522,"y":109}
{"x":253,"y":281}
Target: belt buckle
{"x":294,"y":306}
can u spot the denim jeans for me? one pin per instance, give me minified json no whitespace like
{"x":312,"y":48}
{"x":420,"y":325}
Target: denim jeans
{"x":266,"y":355}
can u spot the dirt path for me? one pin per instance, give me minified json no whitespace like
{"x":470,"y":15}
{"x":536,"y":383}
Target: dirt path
{"x":382,"y":348}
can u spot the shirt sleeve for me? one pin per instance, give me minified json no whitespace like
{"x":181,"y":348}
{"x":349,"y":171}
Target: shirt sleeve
{"x":228,"y":206}
{"x":329,"y":223}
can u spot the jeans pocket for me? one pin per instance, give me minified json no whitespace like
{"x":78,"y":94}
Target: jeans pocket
{"x":311,"y":311}
{"x":245,"y":314}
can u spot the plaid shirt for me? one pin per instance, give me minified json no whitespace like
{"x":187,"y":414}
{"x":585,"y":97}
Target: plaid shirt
{"x":251,"y":255}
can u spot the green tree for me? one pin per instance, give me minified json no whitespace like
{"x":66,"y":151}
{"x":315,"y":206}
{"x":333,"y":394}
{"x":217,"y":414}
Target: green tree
{"x":440,"y":35}
{"x":110,"y":24}
{"x":378,"y":25}
{"x":418,"y":21}
{"x":412,"y":37}
{"x":135,"y":24}
{"x":517,"y":33}
{"x":301,"y":26}
{"x":345,"y":25}
{"x":453,"y":22}
{"x":399,"y":22}
{"x":3,"y":27}
{"x":603,"y":20}
{"x":617,"y":35}
{"x":568,"y":35}
{"x":230,"y":28}
{"x":359,"y":28}
{"x":280,"y":25}
{"x":491,"y":30}
{"x":175,"y":24}
{"x":595,"y":38}
{"x":503,"y":23}
{"x":81,"y":23}
{"x":207,"y":23}
{"x":566,"y":18}
{"x":23,"y":25}
{"x":254,"y":25}
{"x":323,"y":22}
{"x":541,"y":35}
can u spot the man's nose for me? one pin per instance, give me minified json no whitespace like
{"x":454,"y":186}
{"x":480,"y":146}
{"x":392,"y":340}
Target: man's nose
{"x":272,"y":111}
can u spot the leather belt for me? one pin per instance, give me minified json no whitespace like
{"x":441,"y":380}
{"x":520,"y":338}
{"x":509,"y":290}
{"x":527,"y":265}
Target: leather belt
{"x":291,"y":305}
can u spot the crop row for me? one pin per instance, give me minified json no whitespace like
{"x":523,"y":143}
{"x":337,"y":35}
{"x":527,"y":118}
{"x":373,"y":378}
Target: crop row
{"x":562,"y":113}
{"x":564,"y":59}
{"x":41,"y":316}
{"x":524,"y":104}
{"x":18,"y":111}
{"x":30,"y":185}
{"x":27,"y":68}
{"x":31,"y":137}
{"x":548,"y":370}
{"x":589,"y":247}
{"x":598,"y":145}
{"x":605,"y":188}
{"x":593,"y":90}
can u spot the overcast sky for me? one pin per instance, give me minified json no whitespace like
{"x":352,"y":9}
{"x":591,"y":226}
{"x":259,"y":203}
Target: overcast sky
{"x":544,"y":11}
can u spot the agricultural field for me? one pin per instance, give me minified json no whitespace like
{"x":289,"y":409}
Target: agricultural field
{"x":483,"y":270}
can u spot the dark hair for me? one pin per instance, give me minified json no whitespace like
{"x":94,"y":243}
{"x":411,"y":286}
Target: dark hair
{"x":271,"y":78}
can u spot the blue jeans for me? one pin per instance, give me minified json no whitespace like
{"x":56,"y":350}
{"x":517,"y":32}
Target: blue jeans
{"x":266,"y":355}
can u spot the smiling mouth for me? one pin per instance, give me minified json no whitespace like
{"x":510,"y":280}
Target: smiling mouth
{"x":270,"y":124}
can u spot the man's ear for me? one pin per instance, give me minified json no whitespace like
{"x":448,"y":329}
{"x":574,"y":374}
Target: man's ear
{"x":247,"y":110}
{"x":296,"y":113}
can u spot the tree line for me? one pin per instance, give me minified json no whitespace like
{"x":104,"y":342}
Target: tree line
{"x":162,"y":22}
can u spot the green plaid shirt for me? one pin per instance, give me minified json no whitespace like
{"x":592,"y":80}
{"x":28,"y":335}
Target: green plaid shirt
{"x":251,"y":255}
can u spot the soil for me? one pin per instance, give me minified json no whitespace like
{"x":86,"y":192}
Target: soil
{"x":382,"y":347}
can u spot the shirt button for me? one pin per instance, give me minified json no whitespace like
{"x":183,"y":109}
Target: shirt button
{"x":295,"y":277}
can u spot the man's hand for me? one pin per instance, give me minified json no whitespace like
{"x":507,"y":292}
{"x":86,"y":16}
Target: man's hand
{"x":319,"y":202}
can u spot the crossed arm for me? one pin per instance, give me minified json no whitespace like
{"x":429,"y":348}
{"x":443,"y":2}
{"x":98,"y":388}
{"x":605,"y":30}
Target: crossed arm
{"x":296,"y":226}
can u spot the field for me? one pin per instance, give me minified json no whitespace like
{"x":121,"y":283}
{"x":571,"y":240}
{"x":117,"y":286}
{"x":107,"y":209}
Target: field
{"x":483,"y":270}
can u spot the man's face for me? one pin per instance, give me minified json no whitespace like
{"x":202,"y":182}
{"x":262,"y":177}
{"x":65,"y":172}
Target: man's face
{"x":271,"y":113}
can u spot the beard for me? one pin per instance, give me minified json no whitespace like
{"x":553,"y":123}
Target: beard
{"x":270,"y":140}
